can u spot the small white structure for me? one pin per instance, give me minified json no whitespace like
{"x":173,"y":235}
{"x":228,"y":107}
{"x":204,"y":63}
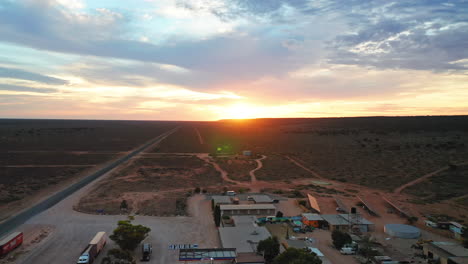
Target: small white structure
{"x":247,"y":153}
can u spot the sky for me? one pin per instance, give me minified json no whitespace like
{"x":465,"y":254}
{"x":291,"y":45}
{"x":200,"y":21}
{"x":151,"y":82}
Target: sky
{"x":220,"y":59}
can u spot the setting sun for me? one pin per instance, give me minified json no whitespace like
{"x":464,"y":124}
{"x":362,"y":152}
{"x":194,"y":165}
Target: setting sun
{"x":241,"y":111}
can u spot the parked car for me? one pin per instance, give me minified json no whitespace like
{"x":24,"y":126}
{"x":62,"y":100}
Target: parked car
{"x":146,"y":251}
{"x":348,"y":251}
{"x":230,"y":193}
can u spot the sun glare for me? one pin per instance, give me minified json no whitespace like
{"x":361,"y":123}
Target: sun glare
{"x":241,"y":111}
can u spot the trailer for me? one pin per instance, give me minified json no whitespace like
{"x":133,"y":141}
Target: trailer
{"x":93,"y":249}
{"x":10,"y":242}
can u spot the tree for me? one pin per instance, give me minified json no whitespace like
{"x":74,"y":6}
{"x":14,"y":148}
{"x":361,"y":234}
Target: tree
{"x":128,"y":236}
{"x":340,"y":239}
{"x":279,"y":214}
{"x":412,"y":220}
{"x":269,"y":248}
{"x":217,"y":215}
{"x":123,"y":204}
{"x":366,"y":249}
{"x":297,"y":256}
{"x":464,"y":236}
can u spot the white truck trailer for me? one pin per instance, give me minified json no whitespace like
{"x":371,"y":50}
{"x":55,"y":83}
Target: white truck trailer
{"x":93,"y":249}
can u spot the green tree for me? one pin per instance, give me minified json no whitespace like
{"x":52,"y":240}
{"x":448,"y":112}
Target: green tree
{"x":279,"y":214}
{"x":366,"y":250}
{"x":217,"y":215}
{"x":297,"y":256}
{"x":128,"y":236}
{"x":123,"y":204}
{"x":269,"y":248}
{"x":340,"y":239}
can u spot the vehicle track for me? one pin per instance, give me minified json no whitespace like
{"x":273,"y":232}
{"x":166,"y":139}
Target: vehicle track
{"x":424,"y":177}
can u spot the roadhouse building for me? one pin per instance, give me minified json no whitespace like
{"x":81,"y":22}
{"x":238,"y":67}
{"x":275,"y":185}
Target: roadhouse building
{"x":248,"y":209}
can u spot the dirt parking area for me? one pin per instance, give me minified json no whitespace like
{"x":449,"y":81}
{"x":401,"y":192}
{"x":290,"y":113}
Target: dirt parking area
{"x":73,"y":230}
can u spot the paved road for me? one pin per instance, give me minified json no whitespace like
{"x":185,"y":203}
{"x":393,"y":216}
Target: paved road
{"x":73,"y":230}
{"x":13,"y":222}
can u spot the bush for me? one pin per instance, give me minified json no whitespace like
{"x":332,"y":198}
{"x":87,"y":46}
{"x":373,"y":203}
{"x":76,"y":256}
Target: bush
{"x":129,"y":236}
{"x":269,"y":248}
{"x":303,"y":203}
{"x":340,"y":239}
{"x":197,"y":190}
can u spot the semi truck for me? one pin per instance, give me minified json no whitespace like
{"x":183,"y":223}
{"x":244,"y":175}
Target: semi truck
{"x":89,"y":254}
{"x":10,"y":242}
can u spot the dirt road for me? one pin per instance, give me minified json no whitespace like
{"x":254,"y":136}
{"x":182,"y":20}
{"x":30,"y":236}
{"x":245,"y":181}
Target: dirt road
{"x":424,"y":177}
{"x":224,"y":174}
{"x":305,"y":168}
{"x":200,"y":139}
{"x":253,"y":179}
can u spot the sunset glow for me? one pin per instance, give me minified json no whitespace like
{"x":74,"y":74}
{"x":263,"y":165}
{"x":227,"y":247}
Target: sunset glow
{"x":210,"y":60}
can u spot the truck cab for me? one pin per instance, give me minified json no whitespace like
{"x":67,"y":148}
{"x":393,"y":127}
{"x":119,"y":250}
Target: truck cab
{"x":84,"y":259}
{"x":146,"y":251}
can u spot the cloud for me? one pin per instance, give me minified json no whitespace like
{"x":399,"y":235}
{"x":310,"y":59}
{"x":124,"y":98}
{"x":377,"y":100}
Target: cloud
{"x":30,"y":76}
{"x":421,"y":35}
{"x":19,"y":88}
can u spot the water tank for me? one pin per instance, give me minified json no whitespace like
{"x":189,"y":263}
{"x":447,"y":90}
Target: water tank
{"x":402,"y":231}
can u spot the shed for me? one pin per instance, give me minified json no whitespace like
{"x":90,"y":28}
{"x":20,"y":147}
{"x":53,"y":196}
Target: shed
{"x":221,"y":199}
{"x":314,"y":220}
{"x":248,"y":209}
{"x":262,"y":199}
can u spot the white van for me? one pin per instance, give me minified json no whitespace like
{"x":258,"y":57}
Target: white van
{"x":230,"y":193}
{"x":347,"y":251}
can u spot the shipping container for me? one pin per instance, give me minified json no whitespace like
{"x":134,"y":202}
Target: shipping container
{"x":10,"y":242}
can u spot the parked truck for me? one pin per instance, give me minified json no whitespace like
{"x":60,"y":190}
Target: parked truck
{"x":93,"y":249}
{"x":10,"y":242}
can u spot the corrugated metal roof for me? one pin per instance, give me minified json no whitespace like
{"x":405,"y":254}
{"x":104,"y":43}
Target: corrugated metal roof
{"x":207,"y":253}
{"x":335,"y":220}
{"x":312,"y":217}
{"x":219,"y":199}
{"x":244,"y":238}
{"x":454,"y":249}
{"x":262,"y":198}
{"x":246,"y":206}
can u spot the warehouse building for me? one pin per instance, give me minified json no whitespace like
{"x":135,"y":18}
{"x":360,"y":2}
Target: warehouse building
{"x":248,"y":209}
{"x":344,"y":222}
{"x":446,"y":252}
{"x":244,"y":236}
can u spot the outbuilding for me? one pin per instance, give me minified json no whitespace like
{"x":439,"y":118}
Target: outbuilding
{"x":261,"y":199}
{"x":221,"y":199}
{"x":446,"y":252}
{"x":314,"y":220}
{"x":248,"y":209}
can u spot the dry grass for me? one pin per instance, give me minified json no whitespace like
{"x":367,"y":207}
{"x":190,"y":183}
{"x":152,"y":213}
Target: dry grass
{"x":153,"y":186}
